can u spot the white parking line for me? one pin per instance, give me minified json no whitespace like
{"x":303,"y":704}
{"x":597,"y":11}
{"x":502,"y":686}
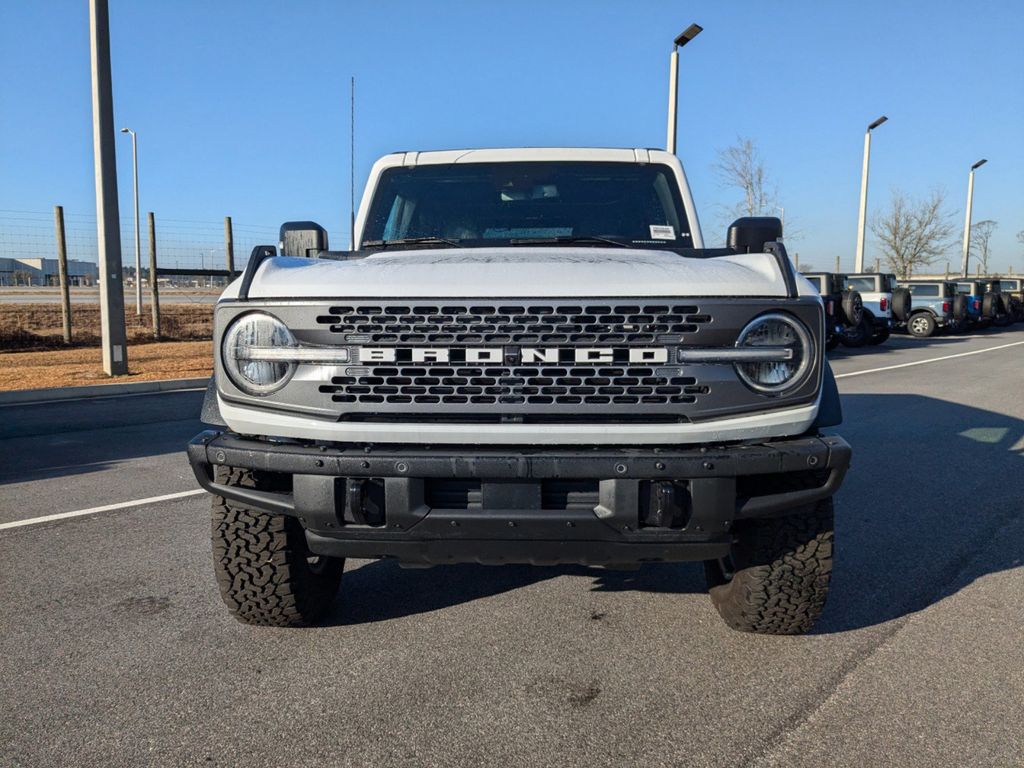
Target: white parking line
{"x":104,"y":508}
{"x":929,"y":360}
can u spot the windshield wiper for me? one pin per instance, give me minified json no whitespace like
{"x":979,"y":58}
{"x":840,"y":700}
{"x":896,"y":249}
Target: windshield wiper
{"x":564,"y":239}
{"x":412,"y":241}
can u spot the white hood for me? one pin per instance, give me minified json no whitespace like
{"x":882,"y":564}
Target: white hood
{"x":517,"y":273}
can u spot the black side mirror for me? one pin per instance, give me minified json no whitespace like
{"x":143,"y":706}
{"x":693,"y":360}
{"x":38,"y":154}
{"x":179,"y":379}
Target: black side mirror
{"x":302,"y":238}
{"x":750,"y":233}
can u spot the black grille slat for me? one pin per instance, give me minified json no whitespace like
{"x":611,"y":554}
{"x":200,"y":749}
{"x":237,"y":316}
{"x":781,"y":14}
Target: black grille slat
{"x":535,"y":384}
{"x":627,"y":324}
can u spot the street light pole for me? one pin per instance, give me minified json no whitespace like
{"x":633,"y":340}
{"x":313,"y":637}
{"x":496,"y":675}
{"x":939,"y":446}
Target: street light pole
{"x":673,"y":81}
{"x":108,"y":228}
{"x":138,"y":249}
{"x":863,"y":217}
{"x":967,"y":219}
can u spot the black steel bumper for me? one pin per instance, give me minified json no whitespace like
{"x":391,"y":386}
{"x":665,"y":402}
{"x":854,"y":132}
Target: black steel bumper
{"x":593,"y":506}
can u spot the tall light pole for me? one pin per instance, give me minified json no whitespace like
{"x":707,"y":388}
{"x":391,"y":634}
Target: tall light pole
{"x":138,"y":249}
{"x":108,"y":227}
{"x":863,"y":218}
{"x":967,"y":220}
{"x":673,"y":81}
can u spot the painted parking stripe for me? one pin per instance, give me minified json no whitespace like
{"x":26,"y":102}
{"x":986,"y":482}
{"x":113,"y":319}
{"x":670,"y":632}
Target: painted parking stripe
{"x":104,"y":508}
{"x":929,"y":360}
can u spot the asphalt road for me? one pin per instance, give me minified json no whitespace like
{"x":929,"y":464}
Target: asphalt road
{"x":115,"y":649}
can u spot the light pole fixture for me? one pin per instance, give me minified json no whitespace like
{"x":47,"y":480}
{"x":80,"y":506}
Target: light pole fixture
{"x":863,"y":217}
{"x":967,"y":218}
{"x":673,"y":80}
{"x":138,"y":248}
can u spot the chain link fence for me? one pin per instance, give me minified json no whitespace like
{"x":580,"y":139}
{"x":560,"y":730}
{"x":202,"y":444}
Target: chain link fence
{"x":29,"y":236}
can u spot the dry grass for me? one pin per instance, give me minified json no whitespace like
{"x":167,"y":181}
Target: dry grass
{"x":82,"y":366}
{"x":38,"y":326}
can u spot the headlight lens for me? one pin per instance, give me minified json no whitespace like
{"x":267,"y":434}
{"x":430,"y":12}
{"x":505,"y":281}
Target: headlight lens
{"x":785,"y":334}
{"x":245,"y":338}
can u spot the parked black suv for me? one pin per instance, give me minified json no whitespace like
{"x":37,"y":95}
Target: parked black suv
{"x":844,"y":308}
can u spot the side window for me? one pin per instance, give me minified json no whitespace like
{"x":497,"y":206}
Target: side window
{"x":861,"y":284}
{"x":924,"y":290}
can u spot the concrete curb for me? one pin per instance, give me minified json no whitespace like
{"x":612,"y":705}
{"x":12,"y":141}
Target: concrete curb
{"x":26,"y":396}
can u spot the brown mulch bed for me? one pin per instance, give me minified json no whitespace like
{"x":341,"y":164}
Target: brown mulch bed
{"x":83,"y":365}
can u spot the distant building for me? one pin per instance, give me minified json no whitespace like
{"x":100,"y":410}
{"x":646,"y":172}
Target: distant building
{"x":38,"y":271}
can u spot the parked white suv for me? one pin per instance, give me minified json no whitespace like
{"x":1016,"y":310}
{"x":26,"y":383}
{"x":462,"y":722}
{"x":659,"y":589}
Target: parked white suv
{"x":886,"y":306}
{"x":529,"y":357}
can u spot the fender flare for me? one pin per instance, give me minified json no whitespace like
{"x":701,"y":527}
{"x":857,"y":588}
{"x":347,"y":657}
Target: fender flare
{"x":210,"y":413}
{"x":830,"y":409}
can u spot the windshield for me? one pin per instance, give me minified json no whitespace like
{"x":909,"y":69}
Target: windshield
{"x":487,"y":204}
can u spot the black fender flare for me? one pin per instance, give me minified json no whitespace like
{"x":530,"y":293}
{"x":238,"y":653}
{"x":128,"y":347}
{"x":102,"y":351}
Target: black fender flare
{"x":210,"y":413}
{"x":830,"y":410}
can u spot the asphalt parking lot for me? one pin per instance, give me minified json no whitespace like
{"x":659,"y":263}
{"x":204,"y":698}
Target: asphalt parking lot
{"x":116,"y":650}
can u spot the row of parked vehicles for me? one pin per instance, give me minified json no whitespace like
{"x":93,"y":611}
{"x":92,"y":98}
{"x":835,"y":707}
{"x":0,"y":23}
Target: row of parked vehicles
{"x":866,"y":308}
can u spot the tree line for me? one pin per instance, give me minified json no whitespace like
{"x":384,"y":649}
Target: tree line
{"x":912,"y":233}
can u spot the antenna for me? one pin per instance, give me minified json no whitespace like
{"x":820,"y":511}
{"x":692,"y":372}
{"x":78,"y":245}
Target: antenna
{"x":352,"y":168}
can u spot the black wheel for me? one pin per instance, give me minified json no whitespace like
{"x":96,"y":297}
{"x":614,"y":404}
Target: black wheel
{"x":857,"y":335}
{"x":776,"y":578}
{"x":265,"y":571}
{"x":852,"y":306}
{"x":832,"y":341}
{"x":921,"y":325}
{"x":878,"y":336}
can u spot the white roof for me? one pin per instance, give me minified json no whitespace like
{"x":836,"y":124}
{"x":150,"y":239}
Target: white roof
{"x":525,"y":154}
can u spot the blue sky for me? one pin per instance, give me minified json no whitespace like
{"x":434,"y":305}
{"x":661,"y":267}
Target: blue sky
{"x":242,"y":107}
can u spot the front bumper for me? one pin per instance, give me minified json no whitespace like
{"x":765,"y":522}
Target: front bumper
{"x":535,"y":505}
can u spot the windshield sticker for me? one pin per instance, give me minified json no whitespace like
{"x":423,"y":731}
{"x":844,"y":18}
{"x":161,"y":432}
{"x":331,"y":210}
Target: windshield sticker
{"x":663,"y":232}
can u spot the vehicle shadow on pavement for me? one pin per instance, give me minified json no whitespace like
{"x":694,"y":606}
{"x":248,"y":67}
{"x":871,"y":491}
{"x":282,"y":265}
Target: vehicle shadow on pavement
{"x":901,"y":341}
{"x":74,"y":437}
{"x":931,"y":485}
{"x":381,"y":590}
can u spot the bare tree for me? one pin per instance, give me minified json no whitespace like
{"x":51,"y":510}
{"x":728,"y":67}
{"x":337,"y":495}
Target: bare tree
{"x":740,"y":166}
{"x":913,"y":233}
{"x":981,"y":234}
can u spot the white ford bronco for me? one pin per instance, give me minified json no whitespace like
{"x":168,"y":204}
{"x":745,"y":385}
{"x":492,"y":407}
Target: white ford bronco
{"x":529,"y":356}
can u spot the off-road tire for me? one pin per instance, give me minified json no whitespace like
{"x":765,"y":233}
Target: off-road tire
{"x":852,"y":306}
{"x":266,"y":573}
{"x":879,"y":336}
{"x":960,"y":310}
{"x":902,"y":304}
{"x":921,"y":324}
{"x":858,"y":336}
{"x":990,"y":305}
{"x":777,"y":577}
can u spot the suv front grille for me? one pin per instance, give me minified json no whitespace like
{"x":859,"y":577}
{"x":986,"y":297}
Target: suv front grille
{"x":514,"y":324}
{"x":513,"y":385}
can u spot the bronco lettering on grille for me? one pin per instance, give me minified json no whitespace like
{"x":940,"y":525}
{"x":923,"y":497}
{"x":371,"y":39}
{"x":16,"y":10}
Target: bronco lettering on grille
{"x":495,"y":355}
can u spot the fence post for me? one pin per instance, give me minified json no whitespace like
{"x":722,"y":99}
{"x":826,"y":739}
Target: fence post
{"x":878,"y":266}
{"x":154,"y":283}
{"x":837,"y":264}
{"x":229,"y":247}
{"x":62,"y":268}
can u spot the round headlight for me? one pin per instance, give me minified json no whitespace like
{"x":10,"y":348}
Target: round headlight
{"x":247,"y":360}
{"x":793,"y":352}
